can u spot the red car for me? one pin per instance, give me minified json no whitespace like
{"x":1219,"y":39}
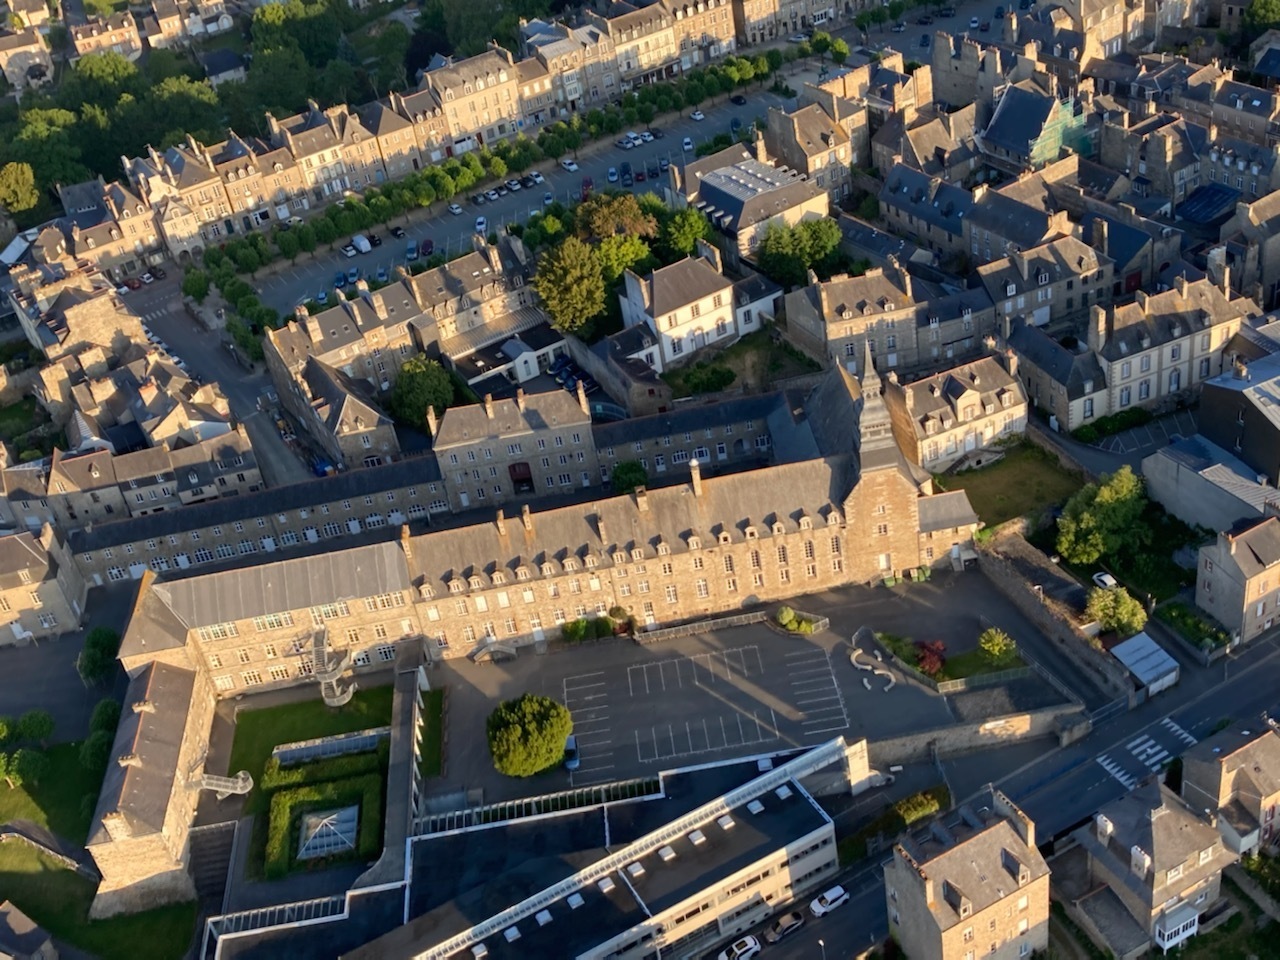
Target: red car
{"x":133,"y":283}
{"x":639,"y":175}
{"x":587,"y":187}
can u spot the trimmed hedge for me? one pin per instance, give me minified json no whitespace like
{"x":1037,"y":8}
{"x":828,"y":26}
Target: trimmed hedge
{"x":288,"y":805}
{"x":276,"y":777}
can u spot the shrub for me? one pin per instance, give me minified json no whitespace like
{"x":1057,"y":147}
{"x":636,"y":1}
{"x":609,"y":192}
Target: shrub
{"x":106,"y":717}
{"x":602,"y":627}
{"x":527,"y":735}
{"x":931,"y":657}
{"x":95,"y":752}
{"x":97,"y":661}
{"x":618,"y":613}
{"x":900,"y":647}
{"x":575,"y":631}
{"x":916,"y":807}
{"x":276,"y":777}
{"x":802,"y":625}
{"x":288,"y":805}
{"x":1086,"y":434}
{"x":785,"y":616}
{"x":997,"y":647}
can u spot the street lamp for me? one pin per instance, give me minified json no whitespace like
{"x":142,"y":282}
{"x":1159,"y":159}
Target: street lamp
{"x":824,"y":949}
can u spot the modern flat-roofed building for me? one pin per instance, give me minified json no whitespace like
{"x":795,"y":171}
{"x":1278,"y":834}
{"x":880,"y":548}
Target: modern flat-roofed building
{"x":972,"y":883}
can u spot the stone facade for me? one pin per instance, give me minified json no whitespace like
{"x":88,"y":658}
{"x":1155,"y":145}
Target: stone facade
{"x":1236,"y":773}
{"x":41,"y":591}
{"x":118,"y":33}
{"x":1238,"y":582}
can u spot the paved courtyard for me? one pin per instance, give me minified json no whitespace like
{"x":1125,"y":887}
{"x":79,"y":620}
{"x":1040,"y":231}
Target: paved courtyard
{"x":1152,"y":436}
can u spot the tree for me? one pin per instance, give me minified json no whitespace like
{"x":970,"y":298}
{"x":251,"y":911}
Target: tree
{"x":628,"y":475}
{"x":1100,"y":518}
{"x":106,"y":717}
{"x":997,"y":647}
{"x":787,"y":253}
{"x":839,"y":51}
{"x":1261,"y":16}
{"x":195,"y":284}
{"x":609,"y":214}
{"x":18,"y":187}
{"x":682,"y":231}
{"x":8,"y":730}
{"x":527,"y":735}
{"x":931,"y":656}
{"x":422,"y":383}
{"x":571,"y":284}
{"x":27,"y":767}
{"x":287,"y":244}
{"x":620,"y":253}
{"x":1116,"y":609}
{"x":95,"y":752}
{"x":775,"y":58}
{"x":821,"y":43}
{"x":36,"y":726}
{"x":97,"y":661}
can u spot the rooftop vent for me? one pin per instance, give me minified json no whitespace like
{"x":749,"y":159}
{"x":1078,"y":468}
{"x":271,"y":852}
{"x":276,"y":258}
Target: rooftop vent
{"x":479,"y":951}
{"x":697,"y":838}
{"x":543,"y":917}
{"x":755,"y":806}
{"x":606,"y":884}
{"x":575,"y":901}
{"x":635,"y":870}
{"x":725,"y":822}
{"x":666,"y":854}
{"x":512,"y":934}
{"x":783,"y":792}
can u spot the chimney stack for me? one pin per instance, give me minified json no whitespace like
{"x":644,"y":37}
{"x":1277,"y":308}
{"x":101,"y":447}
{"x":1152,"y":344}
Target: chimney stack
{"x":1101,"y":239}
{"x":642,"y":500}
{"x":431,"y":421}
{"x":526,"y":517}
{"x":501,"y":521}
{"x":1097,"y":328}
{"x":406,"y":541}
{"x":695,"y":471}
{"x":1180,"y":283}
{"x":582,"y":399}
{"x":488,"y":405}
{"x":520,"y":398}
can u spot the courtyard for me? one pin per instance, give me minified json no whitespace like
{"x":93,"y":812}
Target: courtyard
{"x":1027,"y":480}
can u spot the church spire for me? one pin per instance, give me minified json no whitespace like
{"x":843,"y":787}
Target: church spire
{"x":874,"y":428}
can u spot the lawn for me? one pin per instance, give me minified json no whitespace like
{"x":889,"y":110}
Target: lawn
{"x":1025,"y":481}
{"x":59,"y":899}
{"x":974,"y":664}
{"x":258,"y":731}
{"x":17,"y":419}
{"x":58,"y":801}
{"x":431,"y":763}
{"x":754,"y":362}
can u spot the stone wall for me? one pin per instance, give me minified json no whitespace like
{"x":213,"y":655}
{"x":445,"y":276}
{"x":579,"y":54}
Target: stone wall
{"x":1054,"y":618}
{"x":1043,"y":438}
{"x":15,"y":386}
{"x":1067,"y":722}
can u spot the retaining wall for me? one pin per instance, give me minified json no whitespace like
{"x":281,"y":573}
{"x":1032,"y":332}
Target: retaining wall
{"x":1046,"y":440}
{"x":1067,"y":722}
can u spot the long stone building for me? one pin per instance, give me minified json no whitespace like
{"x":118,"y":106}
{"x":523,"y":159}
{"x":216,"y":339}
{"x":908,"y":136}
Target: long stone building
{"x":854,"y":512}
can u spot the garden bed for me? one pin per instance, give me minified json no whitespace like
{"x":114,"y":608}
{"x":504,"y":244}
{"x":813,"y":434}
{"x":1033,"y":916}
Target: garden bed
{"x":288,"y":806}
{"x":890,"y":824}
{"x":1197,"y":629}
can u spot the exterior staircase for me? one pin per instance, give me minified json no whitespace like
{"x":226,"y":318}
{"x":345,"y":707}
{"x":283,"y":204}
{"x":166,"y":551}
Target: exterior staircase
{"x":211,"y":848}
{"x":330,"y":669}
{"x":224,"y":787}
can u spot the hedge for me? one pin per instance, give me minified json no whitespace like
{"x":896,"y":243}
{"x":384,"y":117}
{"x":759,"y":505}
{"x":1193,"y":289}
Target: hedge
{"x":288,"y":805}
{"x":276,"y":777}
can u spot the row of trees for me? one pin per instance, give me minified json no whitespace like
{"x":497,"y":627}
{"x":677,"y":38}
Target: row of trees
{"x":25,"y":765}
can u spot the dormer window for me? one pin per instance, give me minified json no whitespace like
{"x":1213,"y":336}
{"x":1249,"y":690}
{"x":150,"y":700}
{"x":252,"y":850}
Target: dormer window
{"x":695,"y":543}
{"x":663,"y":550}
{"x":778,"y":529}
{"x":570,"y":565}
{"x":637,"y":554}
{"x":1042,"y":278}
{"x":522,"y":573}
{"x":547,"y":570}
{"x":455,"y":586}
{"x":475,"y":583}
{"x":751,"y":533}
{"x":806,"y":523}
{"x":1010,"y":289}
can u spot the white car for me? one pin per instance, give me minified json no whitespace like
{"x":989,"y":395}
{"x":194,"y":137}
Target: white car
{"x":743,"y":949}
{"x":973,"y":23}
{"x":688,"y":144}
{"x":491,"y":195}
{"x":1105,"y":580}
{"x":348,"y":251}
{"x":482,"y":225}
{"x":147,"y":278}
{"x":613,"y":174}
{"x":647,"y":137}
{"x":513,"y":185}
{"x":634,"y":137}
{"x":548,"y":199}
{"x":698,"y":115}
{"x":455,"y":209}
{"x":536,"y":177}
{"x":569,"y":165}
{"x":824,"y":903}
{"x":122,"y":290}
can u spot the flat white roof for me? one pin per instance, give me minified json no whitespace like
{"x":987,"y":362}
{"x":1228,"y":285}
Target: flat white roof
{"x":1145,"y":659}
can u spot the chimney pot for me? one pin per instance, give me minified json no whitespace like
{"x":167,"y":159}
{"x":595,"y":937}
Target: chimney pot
{"x":502,"y":523}
{"x":520,"y":398}
{"x":695,"y":471}
{"x":488,"y":405}
{"x":526,"y":517}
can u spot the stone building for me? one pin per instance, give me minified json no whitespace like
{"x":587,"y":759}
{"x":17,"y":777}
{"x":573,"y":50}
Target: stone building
{"x":687,"y":305}
{"x":1237,"y":583}
{"x":1236,"y":774}
{"x":1054,"y":283}
{"x":1252,"y":236}
{"x":502,"y":450}
{"x":1067,"y":383}
{"x":1163,"y":864}
{"x":907,"y":324}
{"x":579,"y":60}
{"x":972,"y":882}
{"x":479,"y":97}
{"x":24,"y":58}
{"x":926,"y":208}
{"x":342,"y":416}
{"x":42,"y":593}
{"x":645,"y":46}
{"x":945,"y":417}
{"x":703,"y":30}
{"x":810,"y":141}
{"x":117,"y":33}
{"x":64,"y":312}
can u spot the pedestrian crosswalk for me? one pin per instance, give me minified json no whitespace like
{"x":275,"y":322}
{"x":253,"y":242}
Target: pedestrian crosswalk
{"x":1146,"y":754}
{"x":153,"y":315}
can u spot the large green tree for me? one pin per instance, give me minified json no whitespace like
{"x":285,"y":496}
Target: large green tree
{"x":570,"y":282}
{"x":628,"y":475}
{"x":619,"y":253}
{"x":1115,"y":609}
{"x":1100,"y":519}
{"x":788,"y":253}
{"x":527,"y":735}
{"x":97,"y":661}
{"x":18,"y":187}
{"x":422,"y":384}
{"x":36,"y":726}
{"x":1260,"y":16}
{"x":682,"y":231}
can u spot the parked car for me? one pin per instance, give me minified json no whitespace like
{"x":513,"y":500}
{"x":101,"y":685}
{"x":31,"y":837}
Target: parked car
{"x":478,"y":199}
{"x":825,"y":902}
{"x":985,"y":26}
{"x":353,"y":275}
{"x":784,"y":926}
{"x":735,"y":125}
{"x":411,"y":249}
{"x":947,"y":12}
{"x":427,"y":247}
{"x":646,"y":136}
{"x":743,"y":949}
{"x":664,"y":164}
{"x":361,"y":243}
{"x":924,"y":40}
{"x":627,"y":179}
{"x":383,"y":274}
{"x":513,"y":185}
{"x":133,"y":283}
{"x":899,"y":27}
{"x":974,"y":23}
{"x":634,"y":137}
{"x":624,"y":144}
{"x":1105,"y":580}
{"x":571,"y":759}
{"x":587,"y":186}
{"x":698,"y":115}
{"x":122,"y":290}
{"x":527,"y":181}
{"x":322,"y":297}
{"x":999,"y":13}
{"x":158,"y":273}
{"x":537,"y":178}
{"x":375,"y":240}
{"x":688,"y":144}
{"x":340,"y":279}
{"x":398,"y":232}
{"x":739,"y":99}
{"x":657,"y":133}
{"x":548,"y":199}
{"x":612,"y":175}
{"x":482,"y":225}
{"x":569,"y":165}
{"x":502,"y":190}
{"x":147,"y":278}
{"x":924,"y":20}
{"x":653,"y":170}
{"x":453,"y":208}
{"x":348,"y":251}
{"x":640,"y":175}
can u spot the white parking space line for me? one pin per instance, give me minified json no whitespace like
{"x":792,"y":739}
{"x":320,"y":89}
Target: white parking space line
{"x":819,"y":696}
{"x":586,"y":697}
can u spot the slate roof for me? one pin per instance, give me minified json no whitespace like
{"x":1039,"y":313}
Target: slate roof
{"x":1218,"y":467}
{"x":151,"y":738}
{"x":1009,"y":218}
{"x":221,"y":61}
{"x":1253,"y":754}
{"x":1059,"y":259}
{"x":982,"y":382}
{"x":929,"y":199}
{"x":292,"y":584}
{"x":1257,"y":546}
{"x":542,"y":411}
{"x":487,"y":67}
{"x":1124,"y":242}
{"x":945,"y":511}
{"x":1072,"y":370}
{"x":20,"y":936}
{"x":684,"y":282}
{"x":342,"y":402}
{"x":751,"y":192}
{"x":1018,"y":120}
{"x":815,"y":132}
{"x":19,"y":553}
{"x":686,"y":418}
{"x":1167,"y":316}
